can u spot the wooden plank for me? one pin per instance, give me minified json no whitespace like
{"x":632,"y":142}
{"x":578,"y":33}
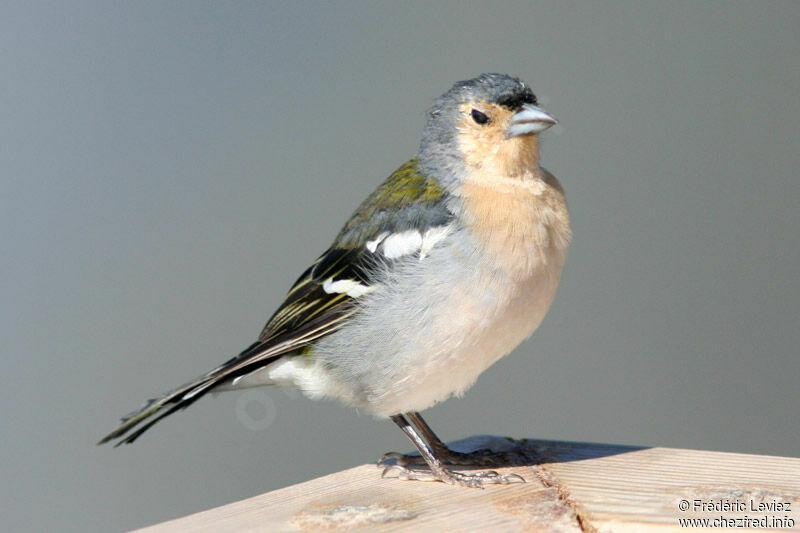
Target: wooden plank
{"x":627,"y":489}
{"x":570,"y":487}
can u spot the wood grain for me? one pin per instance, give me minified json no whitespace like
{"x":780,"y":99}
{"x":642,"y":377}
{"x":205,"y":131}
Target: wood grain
{"x":570,"y":487}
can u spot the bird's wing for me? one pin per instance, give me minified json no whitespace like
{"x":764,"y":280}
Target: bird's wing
{"x":316,"y":305}
{"x":392,"y":223}
{"x":324,"y":296}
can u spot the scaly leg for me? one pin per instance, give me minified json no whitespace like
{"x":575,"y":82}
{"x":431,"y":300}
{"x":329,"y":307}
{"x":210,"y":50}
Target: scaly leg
{"x":482,"y":457}
{"x":437,"y":470}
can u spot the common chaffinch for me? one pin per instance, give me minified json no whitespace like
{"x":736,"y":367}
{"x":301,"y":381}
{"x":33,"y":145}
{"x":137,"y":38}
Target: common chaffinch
{"x":445,"y":268}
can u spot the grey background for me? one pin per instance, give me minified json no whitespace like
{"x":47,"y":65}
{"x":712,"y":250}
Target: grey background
{"x":168,"y":169}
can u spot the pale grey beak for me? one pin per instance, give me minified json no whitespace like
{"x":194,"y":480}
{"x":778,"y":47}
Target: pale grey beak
{"x":529,"y":120}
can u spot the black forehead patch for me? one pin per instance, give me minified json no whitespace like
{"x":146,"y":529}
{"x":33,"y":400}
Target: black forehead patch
{"x":516,"y":99}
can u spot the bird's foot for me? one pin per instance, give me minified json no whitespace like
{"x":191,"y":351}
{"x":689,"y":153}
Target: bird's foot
{"x":476,"y":480}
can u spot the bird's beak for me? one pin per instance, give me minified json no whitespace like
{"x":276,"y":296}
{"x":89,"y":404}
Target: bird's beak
{"x":529,"y":120}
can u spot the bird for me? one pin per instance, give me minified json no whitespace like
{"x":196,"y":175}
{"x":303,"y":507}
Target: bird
{"x":445,"y":268}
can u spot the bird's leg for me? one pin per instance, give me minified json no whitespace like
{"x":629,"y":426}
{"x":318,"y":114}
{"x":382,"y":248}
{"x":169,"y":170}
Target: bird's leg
{"x":482,"y":457}
{"x":437,"y":470}
{"x":436,"y":443}
{"x":440,"y":449}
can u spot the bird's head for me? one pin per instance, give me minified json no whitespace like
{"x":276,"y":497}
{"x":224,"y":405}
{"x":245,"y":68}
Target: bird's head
{"x":489,"y":124}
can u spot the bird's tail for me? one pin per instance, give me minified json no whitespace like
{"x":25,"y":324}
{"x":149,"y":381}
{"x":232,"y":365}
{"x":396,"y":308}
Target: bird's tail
{"x":155,"y":409}
{"x":259,"y":354}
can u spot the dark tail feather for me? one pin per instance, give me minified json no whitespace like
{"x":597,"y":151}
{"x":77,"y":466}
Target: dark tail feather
{"x":179,"y":398}
{"x":184,"y":396}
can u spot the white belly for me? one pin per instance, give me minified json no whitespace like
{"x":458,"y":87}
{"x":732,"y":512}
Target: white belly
{"x":480,"y":322}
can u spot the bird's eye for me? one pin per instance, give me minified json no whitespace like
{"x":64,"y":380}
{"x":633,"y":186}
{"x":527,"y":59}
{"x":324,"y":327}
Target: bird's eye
{"x":479,"y":117}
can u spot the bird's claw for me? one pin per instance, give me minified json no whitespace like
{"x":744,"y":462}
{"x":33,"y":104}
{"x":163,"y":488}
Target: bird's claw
{"x":476,"y":480}
{"x":400,"y":459}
